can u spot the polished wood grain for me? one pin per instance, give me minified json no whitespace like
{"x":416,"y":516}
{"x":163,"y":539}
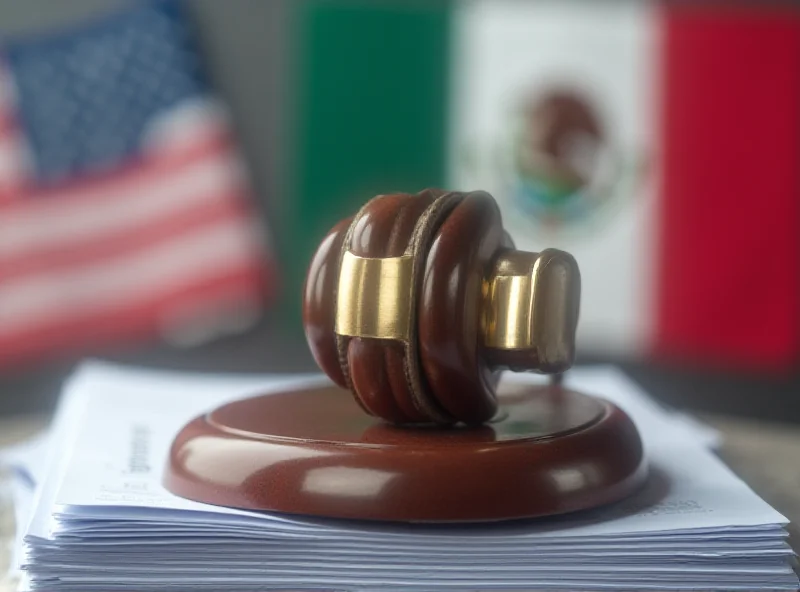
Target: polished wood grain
{"x":319,"y":294}
{"x":313,"y":452}
{"x":449,"y":308}
{"x":377,"y":368}
{"x":433,"y":365}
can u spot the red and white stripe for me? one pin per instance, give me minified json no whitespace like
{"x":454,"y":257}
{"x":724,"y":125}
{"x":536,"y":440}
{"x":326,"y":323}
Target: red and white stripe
{"x":130,"y":253}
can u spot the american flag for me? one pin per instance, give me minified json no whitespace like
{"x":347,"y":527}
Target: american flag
{"x":125,"y":211}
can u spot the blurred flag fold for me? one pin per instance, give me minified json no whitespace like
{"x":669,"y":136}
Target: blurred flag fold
{"x":125,"y":210}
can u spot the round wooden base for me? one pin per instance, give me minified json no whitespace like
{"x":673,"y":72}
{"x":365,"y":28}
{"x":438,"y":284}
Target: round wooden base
{"x":314,"y":452}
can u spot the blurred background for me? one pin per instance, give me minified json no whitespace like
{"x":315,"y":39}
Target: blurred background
{"x":167,"y":169}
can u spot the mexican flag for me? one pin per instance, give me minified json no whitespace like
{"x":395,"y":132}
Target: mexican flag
{"x":659,"y":143}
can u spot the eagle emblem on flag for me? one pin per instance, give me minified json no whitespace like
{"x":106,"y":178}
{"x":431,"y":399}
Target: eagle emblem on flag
{"x":564,"y":166}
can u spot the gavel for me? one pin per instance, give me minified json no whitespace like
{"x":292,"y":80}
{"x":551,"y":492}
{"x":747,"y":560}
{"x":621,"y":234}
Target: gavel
{"x":418,"y":302}
{"x":416,"y":305}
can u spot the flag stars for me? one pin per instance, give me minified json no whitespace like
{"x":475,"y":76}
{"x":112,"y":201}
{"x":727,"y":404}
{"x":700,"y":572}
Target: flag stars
{"x":86,"y":99}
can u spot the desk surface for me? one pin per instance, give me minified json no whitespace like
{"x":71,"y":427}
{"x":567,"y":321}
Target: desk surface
{"x":764,"y":454}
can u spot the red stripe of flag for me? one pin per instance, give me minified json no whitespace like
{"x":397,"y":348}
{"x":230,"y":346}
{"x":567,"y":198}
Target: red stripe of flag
{"x":730,"y":204}
{"x":136,"y":172}
{"x":208,"y":213}
{"x":82,"y":291}
{"x":141,"y":320}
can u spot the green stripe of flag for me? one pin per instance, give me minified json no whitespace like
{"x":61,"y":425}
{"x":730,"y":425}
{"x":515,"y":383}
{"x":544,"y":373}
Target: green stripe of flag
{"x":370,"y":113}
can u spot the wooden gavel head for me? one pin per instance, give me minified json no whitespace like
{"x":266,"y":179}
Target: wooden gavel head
{"x":418,"y":301}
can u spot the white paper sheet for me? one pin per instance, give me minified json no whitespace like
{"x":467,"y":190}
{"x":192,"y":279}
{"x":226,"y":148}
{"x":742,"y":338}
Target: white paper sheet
{"x":103,"y":522}
{"x":688,"y":488}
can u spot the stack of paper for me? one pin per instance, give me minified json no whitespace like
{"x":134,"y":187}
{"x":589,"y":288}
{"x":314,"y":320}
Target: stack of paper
{"x":102,"y":521}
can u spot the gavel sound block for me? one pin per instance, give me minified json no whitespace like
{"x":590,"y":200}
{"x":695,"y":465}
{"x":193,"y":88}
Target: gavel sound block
{"x":413,"y":308}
